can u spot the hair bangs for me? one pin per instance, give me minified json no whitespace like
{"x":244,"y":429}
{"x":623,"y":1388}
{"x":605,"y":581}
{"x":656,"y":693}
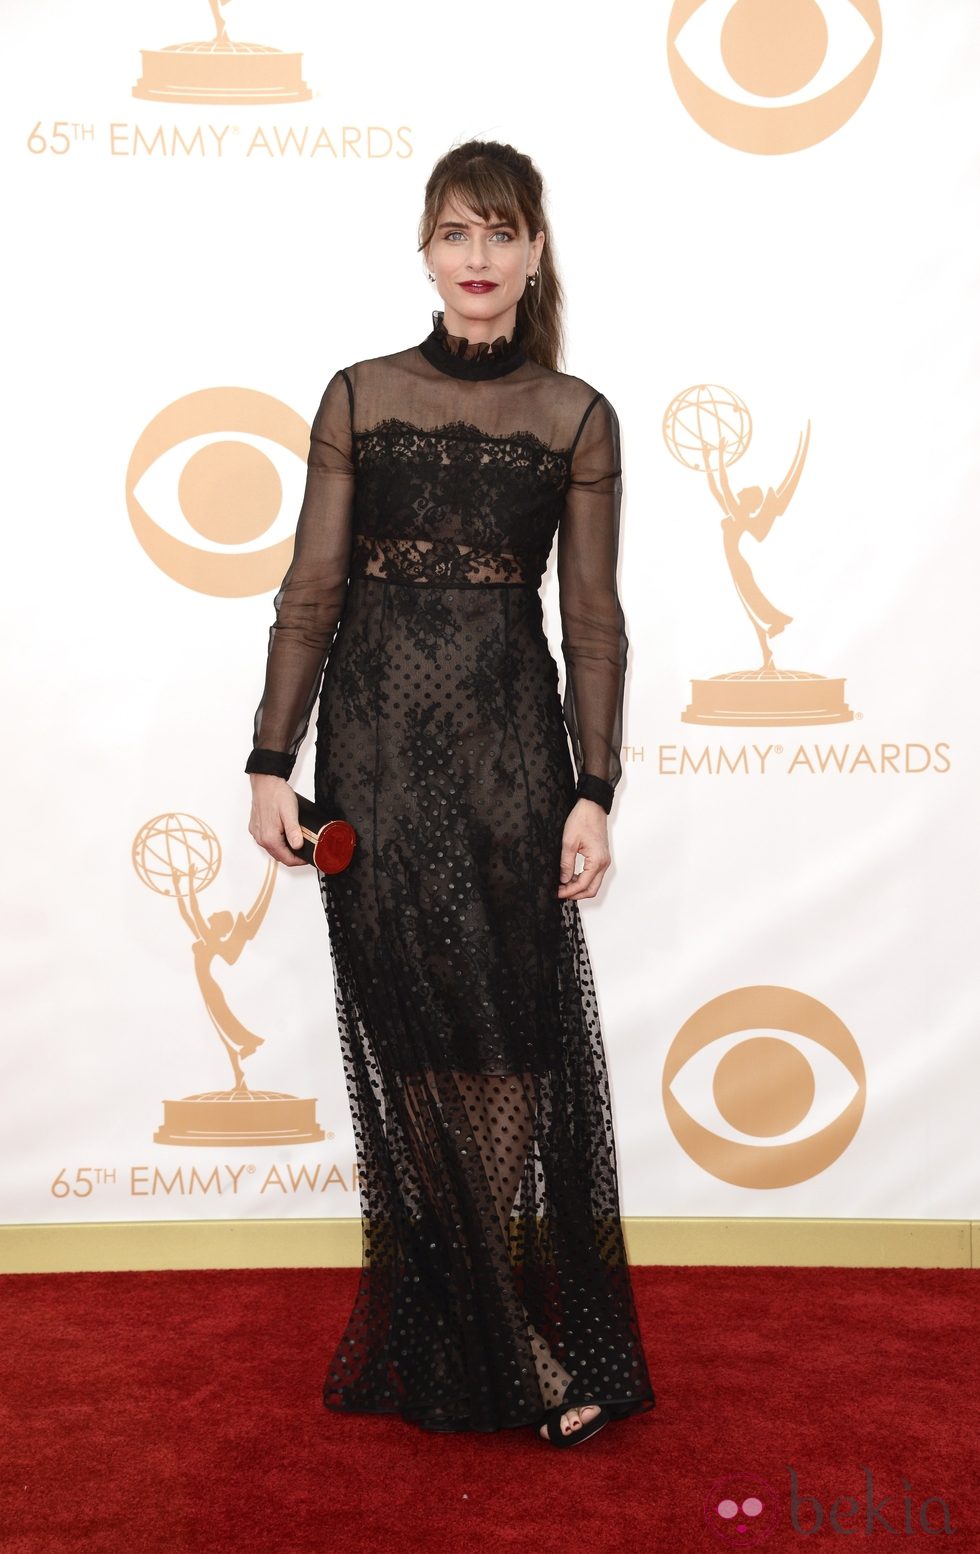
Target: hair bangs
{"x":489,"y":192}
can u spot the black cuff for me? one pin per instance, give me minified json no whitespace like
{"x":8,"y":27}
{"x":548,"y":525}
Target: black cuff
{"x":276,"y":763}
{"x":589,"y":787}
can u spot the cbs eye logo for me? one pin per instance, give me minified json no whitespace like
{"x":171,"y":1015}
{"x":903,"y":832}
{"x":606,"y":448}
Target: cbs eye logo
{"x":766,"y":1089}
{"x":229,"y":492}
{"x":735,"y":65}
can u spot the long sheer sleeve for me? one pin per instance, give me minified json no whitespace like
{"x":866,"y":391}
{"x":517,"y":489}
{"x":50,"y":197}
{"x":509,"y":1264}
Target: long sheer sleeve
{"x":311,"y":597}
{"x":594,"y":642}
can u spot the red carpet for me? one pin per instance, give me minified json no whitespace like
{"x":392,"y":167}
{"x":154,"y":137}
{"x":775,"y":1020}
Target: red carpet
{"x":181,"y":1412}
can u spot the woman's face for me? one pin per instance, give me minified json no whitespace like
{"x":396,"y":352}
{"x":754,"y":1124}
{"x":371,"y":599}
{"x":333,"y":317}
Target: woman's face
{"x":480,"y":269}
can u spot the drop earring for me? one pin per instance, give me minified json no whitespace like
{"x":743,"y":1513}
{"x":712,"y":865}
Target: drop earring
{"x":532,"y":280}
{"x":429,"y":277}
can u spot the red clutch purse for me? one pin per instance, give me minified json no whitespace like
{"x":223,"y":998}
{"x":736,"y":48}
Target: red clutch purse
{"x":327,"y":844}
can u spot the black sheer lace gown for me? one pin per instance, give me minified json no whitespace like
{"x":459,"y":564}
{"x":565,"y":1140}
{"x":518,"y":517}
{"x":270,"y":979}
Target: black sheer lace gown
{"x":494,"y":1280}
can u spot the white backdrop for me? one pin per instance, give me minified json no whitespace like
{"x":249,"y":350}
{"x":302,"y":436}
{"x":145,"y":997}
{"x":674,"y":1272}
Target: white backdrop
{"x":794,"y":252}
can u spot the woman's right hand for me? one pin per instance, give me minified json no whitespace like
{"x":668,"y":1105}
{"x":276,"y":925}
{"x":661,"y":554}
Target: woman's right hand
{"x":274,"y":820}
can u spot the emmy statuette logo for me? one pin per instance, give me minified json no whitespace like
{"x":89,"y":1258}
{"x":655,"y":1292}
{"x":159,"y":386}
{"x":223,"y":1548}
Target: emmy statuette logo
{"x":761,"y":695}
{"x":179,"y":856}
{"x":218,"y":70}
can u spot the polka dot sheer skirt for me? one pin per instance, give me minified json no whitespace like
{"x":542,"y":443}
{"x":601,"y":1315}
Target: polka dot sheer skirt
{"x":494,"y":1282}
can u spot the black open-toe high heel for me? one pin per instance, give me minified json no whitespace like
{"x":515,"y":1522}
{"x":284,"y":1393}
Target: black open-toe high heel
{"x":442,"y":1419}
{"x":444,"y":1424}
{"x":552,"y":1419}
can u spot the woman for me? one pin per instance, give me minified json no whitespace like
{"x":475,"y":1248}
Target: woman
{"x":495,"y":1289}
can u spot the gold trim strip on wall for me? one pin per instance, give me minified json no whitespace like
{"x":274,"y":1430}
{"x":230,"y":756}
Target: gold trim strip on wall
{"x":336,"y":1243}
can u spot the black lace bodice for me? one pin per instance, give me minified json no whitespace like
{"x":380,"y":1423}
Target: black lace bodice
{"x":454,"y":464}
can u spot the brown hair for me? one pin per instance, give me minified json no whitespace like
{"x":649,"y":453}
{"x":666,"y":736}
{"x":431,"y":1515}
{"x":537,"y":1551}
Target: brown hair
{"x":502,"y":184}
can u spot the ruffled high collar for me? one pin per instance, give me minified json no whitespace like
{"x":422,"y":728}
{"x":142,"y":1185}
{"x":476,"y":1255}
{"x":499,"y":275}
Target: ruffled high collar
{"x":463,"y":358}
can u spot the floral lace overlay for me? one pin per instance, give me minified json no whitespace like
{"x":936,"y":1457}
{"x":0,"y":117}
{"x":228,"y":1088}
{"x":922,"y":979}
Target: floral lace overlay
{"x":470,"y":445}
{"x":504,"y":494}
{"x":443,"y":563}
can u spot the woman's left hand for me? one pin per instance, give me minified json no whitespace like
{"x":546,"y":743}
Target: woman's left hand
{"x":586,"y":832}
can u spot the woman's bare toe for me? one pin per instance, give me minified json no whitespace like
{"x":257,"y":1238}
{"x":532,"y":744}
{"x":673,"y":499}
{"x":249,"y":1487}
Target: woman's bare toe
{"x":573,"y":1419}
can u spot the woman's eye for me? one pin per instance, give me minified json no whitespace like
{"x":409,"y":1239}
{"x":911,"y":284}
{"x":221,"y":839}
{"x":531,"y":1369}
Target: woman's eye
{"x":509,"y":236}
